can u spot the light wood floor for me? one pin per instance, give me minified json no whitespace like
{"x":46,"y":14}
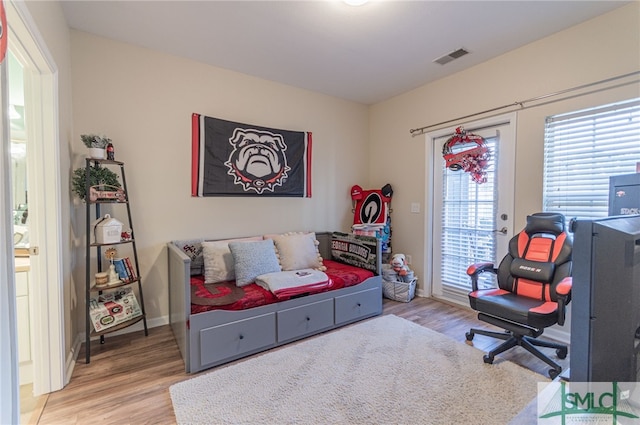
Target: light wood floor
{"x":129,"y":376}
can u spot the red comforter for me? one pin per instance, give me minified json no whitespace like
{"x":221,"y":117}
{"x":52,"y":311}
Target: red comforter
{"x":227,"y":296}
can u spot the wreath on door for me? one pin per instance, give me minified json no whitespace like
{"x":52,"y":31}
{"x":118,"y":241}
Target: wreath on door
{"x":471,"y":155}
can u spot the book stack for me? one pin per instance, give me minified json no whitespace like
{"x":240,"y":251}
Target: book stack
{"x":125,"y":270}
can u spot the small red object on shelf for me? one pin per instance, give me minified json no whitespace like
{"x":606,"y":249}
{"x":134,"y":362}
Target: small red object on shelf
{"x":110,"y":152}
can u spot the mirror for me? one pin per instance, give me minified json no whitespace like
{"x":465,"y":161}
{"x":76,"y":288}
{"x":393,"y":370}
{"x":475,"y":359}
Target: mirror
{"x":18,"y":153}
{"x":20,"y":193}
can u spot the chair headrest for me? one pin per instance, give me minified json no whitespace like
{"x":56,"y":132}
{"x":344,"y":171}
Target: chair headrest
{"x":545,"y":223}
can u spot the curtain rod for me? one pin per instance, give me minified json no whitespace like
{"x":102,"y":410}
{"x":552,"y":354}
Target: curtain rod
{"x":521,"y":104}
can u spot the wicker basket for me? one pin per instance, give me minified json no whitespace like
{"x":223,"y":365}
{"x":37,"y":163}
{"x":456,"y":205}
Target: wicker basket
{"x":399,"y":291}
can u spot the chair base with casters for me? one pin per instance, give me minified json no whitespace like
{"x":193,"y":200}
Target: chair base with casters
{"x":533,"y":289}
{"x":524,"y":337}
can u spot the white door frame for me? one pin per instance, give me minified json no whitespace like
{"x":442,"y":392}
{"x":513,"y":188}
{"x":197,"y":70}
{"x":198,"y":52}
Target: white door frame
{"x":508,"y":173}
{"x":9,"y":394}
{"x":41,"y":109}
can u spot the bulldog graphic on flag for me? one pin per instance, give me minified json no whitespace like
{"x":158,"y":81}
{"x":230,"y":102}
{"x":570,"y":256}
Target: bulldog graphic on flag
{"x":236,"y":159}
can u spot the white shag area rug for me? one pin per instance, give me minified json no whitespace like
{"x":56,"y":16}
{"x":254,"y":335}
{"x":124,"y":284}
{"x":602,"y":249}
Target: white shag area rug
{"x":386,"y":370}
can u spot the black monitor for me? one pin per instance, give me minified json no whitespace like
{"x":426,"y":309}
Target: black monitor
{"x":605,"y":306}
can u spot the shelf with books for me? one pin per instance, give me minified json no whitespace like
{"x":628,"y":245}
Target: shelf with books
{"x":124,"y":268}
{"x":117,"y":302}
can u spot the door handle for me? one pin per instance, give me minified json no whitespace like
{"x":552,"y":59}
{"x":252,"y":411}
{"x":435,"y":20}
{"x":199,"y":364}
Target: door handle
{"x":503,"y":230}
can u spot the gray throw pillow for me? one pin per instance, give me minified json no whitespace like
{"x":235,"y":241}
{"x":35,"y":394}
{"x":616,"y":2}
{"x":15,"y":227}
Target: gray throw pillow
{"x":251,"y":259}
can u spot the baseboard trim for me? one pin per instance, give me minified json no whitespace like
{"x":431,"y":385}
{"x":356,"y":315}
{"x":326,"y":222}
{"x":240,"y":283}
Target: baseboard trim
{"x":72,"y":357}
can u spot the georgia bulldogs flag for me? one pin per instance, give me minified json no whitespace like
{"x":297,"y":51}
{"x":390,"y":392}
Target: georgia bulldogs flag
{"x":236,"y":159}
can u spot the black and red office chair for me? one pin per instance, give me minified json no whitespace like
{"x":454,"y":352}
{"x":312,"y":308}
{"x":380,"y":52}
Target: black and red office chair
{"x":534,"y":288}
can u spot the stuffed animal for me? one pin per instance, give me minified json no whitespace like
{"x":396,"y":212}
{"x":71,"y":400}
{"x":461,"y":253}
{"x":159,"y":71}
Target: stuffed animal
{"x":399,"y":264}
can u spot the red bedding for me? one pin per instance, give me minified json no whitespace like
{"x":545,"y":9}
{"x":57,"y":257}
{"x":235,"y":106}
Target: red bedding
{"x":227,"y":296}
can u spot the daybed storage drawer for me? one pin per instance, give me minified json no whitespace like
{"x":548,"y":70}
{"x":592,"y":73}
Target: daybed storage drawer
{"x":235,"y":338}
{"x":360,"y":304}
{"x":307,"y":319}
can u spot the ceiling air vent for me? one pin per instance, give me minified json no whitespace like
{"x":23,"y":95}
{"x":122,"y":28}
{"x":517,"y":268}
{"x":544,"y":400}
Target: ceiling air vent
{"x":451,"y":56}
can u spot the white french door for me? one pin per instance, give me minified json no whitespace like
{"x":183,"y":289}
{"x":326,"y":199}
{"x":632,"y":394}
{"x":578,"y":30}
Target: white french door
{"x":471,"y":222}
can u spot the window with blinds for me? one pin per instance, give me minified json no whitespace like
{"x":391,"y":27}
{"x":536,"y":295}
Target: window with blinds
{"x":582,"y":150}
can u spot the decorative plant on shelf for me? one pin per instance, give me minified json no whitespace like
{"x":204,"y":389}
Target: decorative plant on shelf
{"x":95,"y":141}
{"x":96,"y":144}
{"x":97,"y":176}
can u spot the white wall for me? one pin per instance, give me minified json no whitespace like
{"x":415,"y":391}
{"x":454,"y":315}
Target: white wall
{"x":604,"y":47}
{"x":143,"y":100}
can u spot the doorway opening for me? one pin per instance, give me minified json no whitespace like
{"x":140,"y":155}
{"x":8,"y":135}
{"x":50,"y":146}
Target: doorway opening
{"x":42,"y":201}
{"x":23,"y":284}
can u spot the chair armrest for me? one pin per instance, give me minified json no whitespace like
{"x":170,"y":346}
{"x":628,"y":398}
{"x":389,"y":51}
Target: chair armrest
{"x":478,"y":268}
{"x":474,"y":271}
{"x":563,"y":289}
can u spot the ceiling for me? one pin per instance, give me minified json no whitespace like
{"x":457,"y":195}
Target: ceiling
{"x":364,"y":54}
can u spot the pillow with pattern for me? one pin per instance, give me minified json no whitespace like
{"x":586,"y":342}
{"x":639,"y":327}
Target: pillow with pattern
{"x":193,"y":249}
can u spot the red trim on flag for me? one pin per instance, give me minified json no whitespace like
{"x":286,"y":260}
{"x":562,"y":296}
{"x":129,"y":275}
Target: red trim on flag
{"x":309,"y":164}
{"x":195,"y":152}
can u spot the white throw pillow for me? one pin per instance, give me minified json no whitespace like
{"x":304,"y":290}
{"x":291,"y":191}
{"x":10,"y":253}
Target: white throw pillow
{"x":218,"y":260}
{"x":297,"y":251}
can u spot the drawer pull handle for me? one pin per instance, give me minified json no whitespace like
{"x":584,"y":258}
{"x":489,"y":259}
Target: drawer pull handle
{"x":241,"y":336}
{"x":308,"y":318}
{"x":359,"y":305}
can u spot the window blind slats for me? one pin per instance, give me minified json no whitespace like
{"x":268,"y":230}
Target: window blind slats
{"x":630,"y":105}
{"x":582,"y":150}
{"x":468,"y":220}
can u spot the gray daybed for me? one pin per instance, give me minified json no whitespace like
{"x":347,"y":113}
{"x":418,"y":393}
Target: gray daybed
{"x":214,"y":337}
